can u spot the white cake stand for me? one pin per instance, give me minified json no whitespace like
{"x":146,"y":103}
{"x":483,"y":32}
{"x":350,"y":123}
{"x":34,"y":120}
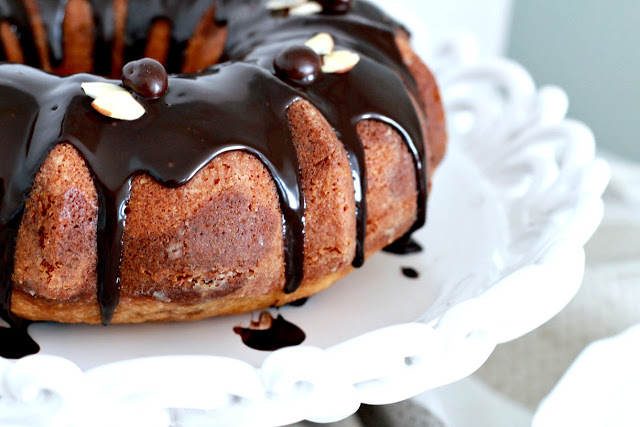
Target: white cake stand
{"x":515,"y":200}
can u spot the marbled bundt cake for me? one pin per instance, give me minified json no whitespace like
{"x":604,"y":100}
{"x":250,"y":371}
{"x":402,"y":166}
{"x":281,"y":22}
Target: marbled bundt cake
{"x":272,"y":164}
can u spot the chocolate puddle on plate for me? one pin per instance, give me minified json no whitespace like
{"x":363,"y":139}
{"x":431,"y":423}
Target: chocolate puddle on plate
{"x":269,"y":334}
{"x":410,"y":273}
{"x":16,"y":343}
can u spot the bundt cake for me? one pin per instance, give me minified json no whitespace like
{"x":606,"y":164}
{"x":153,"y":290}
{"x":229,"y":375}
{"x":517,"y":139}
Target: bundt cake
{"x":291,"y":139}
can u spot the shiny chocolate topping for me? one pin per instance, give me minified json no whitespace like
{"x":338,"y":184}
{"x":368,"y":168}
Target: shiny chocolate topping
{"x":244,"y":99}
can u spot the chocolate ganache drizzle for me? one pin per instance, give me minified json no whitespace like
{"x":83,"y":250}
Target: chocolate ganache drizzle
{"x":15,"y":14}
{"x":238,"y":104}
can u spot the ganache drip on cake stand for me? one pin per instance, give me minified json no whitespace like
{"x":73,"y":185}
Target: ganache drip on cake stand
{"x":238,"y":105}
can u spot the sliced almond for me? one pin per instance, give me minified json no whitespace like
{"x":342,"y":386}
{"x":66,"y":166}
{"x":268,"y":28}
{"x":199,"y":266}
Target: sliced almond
{"x":321,"y":43}
{"x":340,"y":61}
{"x":308,"y":8}
{"x":284,"y":4}
{"x":98,"y":89}
{"x":119,"y":105}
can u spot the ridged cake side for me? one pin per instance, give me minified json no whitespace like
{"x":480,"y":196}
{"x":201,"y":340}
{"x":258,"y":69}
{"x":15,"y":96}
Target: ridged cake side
{"x":214,"y":245}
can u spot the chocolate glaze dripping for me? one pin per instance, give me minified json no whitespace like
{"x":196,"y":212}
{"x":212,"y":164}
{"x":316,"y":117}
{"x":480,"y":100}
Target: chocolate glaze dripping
{"x":358,"y":98}
{"x":184,"y":16}
{"x":111,"y":223}
{"x":103,"y":19}
{"x":15,"y":342}
{"x":52,"y":14}
{"x":188,"y":100}
{"x":14,"y":12}
{"x":237,"y":105}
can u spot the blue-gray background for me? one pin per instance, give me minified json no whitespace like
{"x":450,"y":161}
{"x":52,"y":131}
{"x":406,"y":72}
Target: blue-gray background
{"x":590,"y":48}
